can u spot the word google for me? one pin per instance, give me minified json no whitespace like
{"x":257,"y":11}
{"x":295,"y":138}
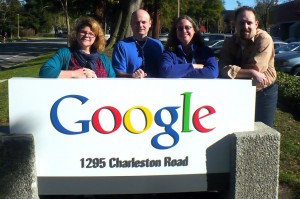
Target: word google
{"x":168,"y":130}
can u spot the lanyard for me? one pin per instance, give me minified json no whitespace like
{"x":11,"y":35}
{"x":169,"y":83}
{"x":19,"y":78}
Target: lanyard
{"x":141,"y":49}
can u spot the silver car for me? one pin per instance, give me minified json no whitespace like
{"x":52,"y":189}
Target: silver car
{"x":288,"y":62}
{"x":287,"y":48}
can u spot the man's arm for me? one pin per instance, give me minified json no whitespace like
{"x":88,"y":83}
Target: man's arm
{"x":227,"y":68}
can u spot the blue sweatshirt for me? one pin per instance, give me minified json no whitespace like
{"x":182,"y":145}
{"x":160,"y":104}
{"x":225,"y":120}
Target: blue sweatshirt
{"x":176,"y":64}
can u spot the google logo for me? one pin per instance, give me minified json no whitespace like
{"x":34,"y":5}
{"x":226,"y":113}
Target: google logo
{"x":149,"y":118}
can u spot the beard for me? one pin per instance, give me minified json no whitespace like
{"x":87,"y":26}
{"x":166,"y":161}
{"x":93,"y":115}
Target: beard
{"x":245,"y":34}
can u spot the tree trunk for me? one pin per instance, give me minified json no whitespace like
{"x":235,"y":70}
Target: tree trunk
{"x":100,"y":12}
{"x":64,"y":4}
{"x":131,"y":7}
{"x":114,"y":36}
{"x":156,"y":20}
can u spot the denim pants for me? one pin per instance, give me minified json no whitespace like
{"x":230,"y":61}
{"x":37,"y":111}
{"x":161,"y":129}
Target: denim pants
{"x":266,"y":103}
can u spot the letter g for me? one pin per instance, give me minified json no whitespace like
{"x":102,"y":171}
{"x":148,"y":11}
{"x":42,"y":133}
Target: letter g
{"x":168,"y":127}
{"x":56,"y":123}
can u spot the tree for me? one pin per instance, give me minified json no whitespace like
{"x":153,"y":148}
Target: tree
{"x":211,"y":13}
{"x":202,"y":11}
{"x":9,"y":11}
{"x":154,"y":9}
{"x":122,"y":28}
{"x":64,"y":5}
{"x":262,"y":9}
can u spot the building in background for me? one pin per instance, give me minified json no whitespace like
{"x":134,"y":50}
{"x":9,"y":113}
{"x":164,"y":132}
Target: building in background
{"x":285,"y":21}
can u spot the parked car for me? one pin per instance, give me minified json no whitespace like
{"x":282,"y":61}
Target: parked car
{"x":208,"y":37}
{"x":288,"y":62}
{"x":278,"y":44}
{"x":287,"y":48}
{"x":215,"y":43}
{"x":217,"y":47}
{"x":163,"y":37}
{"x":216,"y":51}
{"x":292,"y":39}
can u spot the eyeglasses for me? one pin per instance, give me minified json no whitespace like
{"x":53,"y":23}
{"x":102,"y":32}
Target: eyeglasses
{"x":181,"y":28}
{"x":87,"y":34}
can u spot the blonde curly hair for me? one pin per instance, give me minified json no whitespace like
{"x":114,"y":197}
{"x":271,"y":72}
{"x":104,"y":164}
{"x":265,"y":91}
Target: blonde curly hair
{"x":100,"y":42}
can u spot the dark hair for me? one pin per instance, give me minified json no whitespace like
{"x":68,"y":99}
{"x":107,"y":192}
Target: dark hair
{"x":242,"y":9}
{"x":173,"y":41}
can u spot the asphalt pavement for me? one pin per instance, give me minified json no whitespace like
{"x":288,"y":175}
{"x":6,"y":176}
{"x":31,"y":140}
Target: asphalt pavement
{"x":14,"y":53}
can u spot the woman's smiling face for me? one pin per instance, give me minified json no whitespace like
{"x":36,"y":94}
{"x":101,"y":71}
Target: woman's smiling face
{"x":185,"y":32}
{"x":85,"y":38}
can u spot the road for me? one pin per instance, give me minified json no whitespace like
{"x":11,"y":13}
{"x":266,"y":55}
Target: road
{"x":14,"y":53}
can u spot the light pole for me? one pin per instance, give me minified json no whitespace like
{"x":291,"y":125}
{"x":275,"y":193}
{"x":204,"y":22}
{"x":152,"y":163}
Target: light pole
{"x":18,"y":35}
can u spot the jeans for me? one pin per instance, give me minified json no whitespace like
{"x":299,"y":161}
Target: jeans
{"x":266,"y":103}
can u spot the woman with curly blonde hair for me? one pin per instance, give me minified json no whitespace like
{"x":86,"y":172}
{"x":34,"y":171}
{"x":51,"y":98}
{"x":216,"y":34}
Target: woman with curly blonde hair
{"x":84,"y":58}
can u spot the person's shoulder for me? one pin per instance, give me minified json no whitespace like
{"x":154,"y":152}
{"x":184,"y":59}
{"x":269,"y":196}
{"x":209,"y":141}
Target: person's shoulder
{"x":261,"y":34}
{"x":151,"y":39}
{"x":64,"y":49}
{"x":125,"y":42}
{"x":103,"y":55}
{"x":155,"y":42}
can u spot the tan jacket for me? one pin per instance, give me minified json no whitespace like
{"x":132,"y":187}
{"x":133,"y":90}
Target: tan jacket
{"x":258,"y":52}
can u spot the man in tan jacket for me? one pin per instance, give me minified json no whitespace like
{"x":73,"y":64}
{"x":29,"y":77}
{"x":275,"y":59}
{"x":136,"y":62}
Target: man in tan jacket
{"x":249,"y":54}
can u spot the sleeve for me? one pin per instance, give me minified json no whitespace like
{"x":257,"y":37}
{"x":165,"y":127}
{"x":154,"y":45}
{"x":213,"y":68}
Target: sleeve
{"x":227,"y":70}
{"x":52,"y":67}
{"x":119,"y":58}
{"x":210,"y":68}
{"x":170,"y":68}
{"x":107,"y":64}
{"x":262,"y":55}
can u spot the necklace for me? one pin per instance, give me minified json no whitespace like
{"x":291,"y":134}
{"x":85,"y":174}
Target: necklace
{"x":141,"y":50}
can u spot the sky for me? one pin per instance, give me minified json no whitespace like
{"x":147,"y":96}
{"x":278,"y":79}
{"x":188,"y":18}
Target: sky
{"x":232,"y":5}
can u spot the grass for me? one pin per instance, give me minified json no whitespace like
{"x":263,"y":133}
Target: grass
{"x":288,"y":125}
{"x":286,"y":122}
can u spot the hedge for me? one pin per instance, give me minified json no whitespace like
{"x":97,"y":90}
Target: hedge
{"x":289,"y":90}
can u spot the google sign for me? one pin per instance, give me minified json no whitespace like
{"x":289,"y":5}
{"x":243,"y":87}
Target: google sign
{"x":148,"y":120}
{"x":130,"y":127}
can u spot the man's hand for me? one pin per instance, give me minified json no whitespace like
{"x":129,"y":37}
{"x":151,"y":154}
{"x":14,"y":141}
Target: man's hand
{"x":139,"y":74}
{"x":198,"y":66}
{"x":259,"y":78}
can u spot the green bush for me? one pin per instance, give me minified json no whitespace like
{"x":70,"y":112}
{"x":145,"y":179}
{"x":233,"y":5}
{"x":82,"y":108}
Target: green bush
{"x":289,"y":91}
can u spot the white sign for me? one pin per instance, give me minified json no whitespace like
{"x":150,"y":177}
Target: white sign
{"x":130,"y":127}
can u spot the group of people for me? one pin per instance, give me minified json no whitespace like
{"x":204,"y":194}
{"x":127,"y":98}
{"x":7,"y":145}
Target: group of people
{"x":249,"y":54}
